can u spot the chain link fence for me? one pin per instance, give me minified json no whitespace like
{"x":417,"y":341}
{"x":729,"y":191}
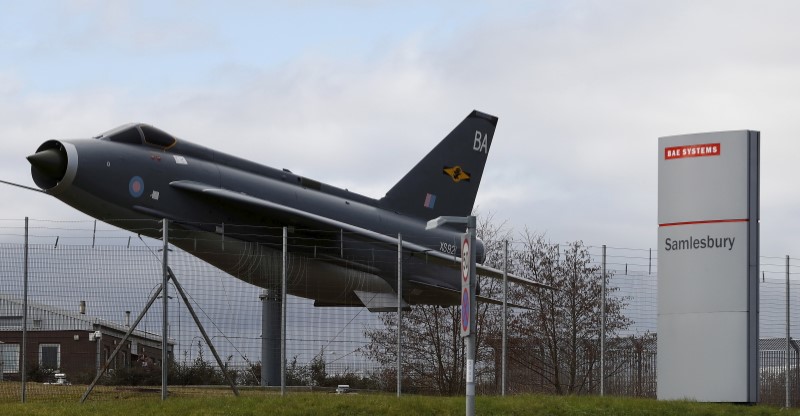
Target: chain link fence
{"x":87,"y":284}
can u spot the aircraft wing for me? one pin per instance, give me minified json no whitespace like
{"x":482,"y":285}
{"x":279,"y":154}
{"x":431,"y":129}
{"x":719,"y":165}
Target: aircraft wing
{"x":325,"y":222}
{"x":444,"y":291}
{"x":455,"y":262}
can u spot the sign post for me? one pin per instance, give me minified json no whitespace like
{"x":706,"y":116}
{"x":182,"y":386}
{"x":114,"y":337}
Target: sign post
{"x":468,"y":296}
{"x":468,"y":305}
{"x":708,"y":214}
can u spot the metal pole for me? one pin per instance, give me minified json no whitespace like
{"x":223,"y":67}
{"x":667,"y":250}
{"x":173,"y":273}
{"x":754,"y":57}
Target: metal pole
{"x":164,"y":306}
{"x":284,"y":283}
{"x":603,"y":328}
{"x":98,"y":364}
{"x":468,"y":326}
{"x":471,"y":338}
{"x":264,"y":342}
{"x":271,"y":335}
{"x":203,"y":332}
{"x":504,"y":349}
{"x":788,"y":334}
{"x":399,"y":310}
{"x":23,"y":357}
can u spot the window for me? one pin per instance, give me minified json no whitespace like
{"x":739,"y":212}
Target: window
{"x":11,"y":322}
{"x":156,"y":137}
{"x":9,"y":358}
{"x":128,"y":133}
{"x":50,"y":356}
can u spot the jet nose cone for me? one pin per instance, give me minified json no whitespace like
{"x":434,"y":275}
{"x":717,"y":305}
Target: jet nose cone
{"x":50,"y":162}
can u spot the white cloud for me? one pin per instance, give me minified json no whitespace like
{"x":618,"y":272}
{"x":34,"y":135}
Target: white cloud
{"x":583,"y":90}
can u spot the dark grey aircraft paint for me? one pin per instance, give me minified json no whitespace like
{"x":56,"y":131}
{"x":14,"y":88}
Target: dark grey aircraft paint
{"x":230,"y":212}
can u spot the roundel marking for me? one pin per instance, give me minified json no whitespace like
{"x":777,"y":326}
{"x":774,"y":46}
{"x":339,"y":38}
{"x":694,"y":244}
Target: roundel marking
{"x":136,"y":186}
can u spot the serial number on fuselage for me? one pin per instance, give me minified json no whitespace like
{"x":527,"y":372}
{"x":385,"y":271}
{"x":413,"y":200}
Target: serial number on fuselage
{"x":448,"y":248}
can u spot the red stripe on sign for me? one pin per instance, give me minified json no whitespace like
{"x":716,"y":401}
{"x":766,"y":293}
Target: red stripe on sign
{"x":694,"y":150}
{"x":670,"y":224}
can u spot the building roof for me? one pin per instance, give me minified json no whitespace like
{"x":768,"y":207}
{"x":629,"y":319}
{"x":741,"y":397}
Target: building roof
{"x":43,"y":317}
{"x":776,"y":344}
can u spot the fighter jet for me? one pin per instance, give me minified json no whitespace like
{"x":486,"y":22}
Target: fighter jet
{"x":230,"y":212}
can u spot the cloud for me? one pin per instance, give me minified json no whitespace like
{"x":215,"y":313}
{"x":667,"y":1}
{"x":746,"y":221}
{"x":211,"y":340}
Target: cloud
{"x":583,"y":90}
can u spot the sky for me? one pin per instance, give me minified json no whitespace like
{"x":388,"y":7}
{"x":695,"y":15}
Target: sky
{"x":354,"y":93}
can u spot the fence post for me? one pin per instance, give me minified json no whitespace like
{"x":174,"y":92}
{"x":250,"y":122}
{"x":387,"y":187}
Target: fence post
{"x":23,"y":357}
{"x":399,"y":311}
{"x":788,"y":334}
{"x":284,"y":289}
{"x":164,"y":309}
{"x":603,"y":328}
{"x":264,"y":342}
{"x":504,"y":348}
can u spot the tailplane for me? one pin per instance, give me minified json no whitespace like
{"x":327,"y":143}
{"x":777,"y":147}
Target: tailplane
{"x":446,"y":181}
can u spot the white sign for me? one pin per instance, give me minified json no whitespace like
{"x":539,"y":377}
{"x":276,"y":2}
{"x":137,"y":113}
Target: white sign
{"x":466,"y":309}
{"x":465,"y":259}
{"x":708,"y":267}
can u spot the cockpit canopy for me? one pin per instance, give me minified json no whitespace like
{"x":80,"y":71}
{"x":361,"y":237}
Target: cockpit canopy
{"x":138,"y":133}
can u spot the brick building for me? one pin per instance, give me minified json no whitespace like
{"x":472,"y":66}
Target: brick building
{"x":67,"y":342}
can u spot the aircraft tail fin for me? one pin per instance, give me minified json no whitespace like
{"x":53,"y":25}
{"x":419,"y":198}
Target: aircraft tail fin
{"x":446,"y":181}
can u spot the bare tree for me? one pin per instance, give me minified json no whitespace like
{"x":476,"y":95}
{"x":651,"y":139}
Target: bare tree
{"x":433,"y":350}
{"x":556,"y":340}
{"x":561,"y":330}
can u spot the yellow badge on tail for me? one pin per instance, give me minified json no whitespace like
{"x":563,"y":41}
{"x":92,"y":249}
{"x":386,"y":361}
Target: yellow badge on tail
{"x":456,"y":173}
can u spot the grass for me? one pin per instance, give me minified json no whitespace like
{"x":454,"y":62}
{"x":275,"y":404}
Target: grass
{"x":186,"y":402}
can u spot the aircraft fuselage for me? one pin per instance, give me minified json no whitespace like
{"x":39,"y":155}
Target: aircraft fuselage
{"x":136,"y":175}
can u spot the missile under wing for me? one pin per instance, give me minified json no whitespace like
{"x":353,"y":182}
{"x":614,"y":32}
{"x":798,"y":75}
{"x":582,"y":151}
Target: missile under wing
{"x":231,"y":212}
